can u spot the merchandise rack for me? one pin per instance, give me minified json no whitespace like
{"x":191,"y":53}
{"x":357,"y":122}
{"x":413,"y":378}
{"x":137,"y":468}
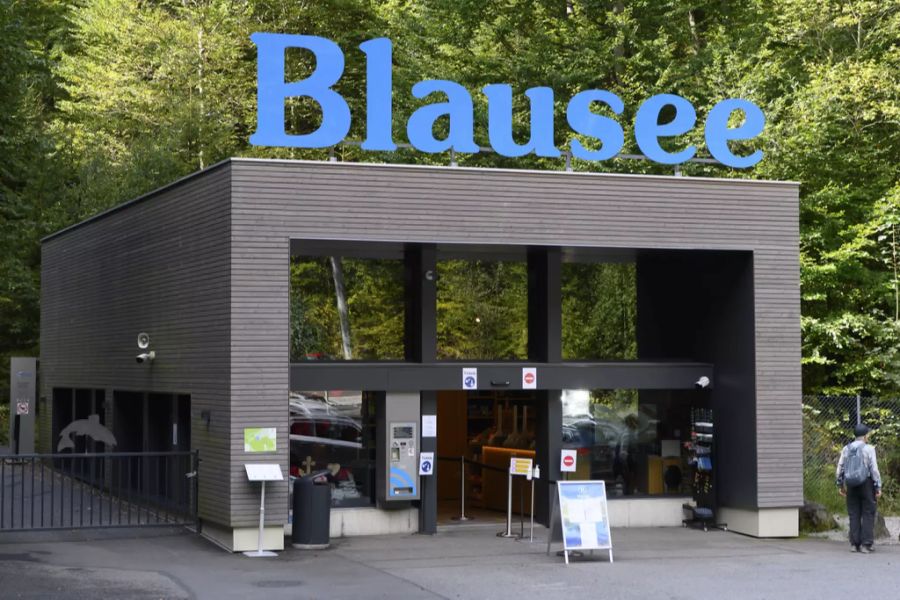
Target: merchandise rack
{"x":700,"y":457}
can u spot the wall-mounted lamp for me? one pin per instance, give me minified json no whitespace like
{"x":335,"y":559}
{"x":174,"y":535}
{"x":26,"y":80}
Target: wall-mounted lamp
{"x":206,"y":417}
{"x":143,"y":342}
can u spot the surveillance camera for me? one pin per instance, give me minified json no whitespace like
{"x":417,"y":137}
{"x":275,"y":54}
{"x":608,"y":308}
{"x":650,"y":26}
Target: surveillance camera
{"x":145,"y":356}
{"x":701,"y":383}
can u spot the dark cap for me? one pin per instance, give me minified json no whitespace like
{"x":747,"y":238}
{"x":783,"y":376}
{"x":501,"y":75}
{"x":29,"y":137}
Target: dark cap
{"x":860,"y":430}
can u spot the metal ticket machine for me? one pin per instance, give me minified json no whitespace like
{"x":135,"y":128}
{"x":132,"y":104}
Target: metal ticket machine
{"x":397,"y":435}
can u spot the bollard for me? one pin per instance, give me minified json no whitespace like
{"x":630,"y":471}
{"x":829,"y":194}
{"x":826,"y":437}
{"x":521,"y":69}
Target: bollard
{"x":508,"y":533}
{"x":462,"y":490}
{"x":531,"y":531}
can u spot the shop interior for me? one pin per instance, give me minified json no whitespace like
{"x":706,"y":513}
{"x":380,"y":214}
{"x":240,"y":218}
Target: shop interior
{"x":487,"y":428}
{"x":638,"y":442}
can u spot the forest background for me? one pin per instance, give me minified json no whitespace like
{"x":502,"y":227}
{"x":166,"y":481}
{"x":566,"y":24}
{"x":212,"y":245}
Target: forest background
{"x":102,"y":100}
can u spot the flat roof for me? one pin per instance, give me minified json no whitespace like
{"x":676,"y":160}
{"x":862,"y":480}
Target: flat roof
{"x":548,"y":173}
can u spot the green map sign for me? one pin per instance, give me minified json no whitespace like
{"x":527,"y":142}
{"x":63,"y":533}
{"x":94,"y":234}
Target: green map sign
{"x":259,"y":439}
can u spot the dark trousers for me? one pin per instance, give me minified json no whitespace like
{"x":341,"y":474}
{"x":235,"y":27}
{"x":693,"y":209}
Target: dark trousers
{"x":861,"y":508}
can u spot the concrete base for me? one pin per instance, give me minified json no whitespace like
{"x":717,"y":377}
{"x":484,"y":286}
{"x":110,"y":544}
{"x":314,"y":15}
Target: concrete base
{"x":350,"y":522}
{"x":353,"y":522}
{"x":646,"y":512}
{"x":762,"y":523}
{"x":242,"y":539}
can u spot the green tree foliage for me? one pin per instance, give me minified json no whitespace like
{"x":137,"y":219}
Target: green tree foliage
{"x":32,"y":179}
{"x":375,"y":304}
{"x":482,"y":310}
{"x":101,"y":100}
{"x":599,"y":311}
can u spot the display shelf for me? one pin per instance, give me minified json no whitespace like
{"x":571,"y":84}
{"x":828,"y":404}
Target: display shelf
{"x":701,"y":456}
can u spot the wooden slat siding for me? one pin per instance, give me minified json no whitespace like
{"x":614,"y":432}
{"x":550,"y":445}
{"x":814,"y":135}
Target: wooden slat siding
{"x":274,"y":201}
{"x":160,"y":265}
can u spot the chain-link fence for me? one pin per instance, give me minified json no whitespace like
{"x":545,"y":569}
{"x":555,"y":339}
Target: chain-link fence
{"x":828,"y":423}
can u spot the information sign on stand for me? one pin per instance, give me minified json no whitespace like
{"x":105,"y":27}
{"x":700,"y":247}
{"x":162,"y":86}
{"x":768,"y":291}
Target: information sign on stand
{"x":517,"y":467}
{"x":262,"y":473}
{"x":580,"y":514}
{"x":520,"y":466}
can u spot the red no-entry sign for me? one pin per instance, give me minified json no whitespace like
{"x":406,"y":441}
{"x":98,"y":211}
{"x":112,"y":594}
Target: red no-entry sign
{"x":567,"y":461}
{"x":529,"y":378}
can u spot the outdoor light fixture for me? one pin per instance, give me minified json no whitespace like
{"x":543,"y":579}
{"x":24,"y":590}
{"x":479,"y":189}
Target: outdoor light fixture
{"x":206,"y":417}
{"x":702,"y":383}
{"x":143,"y":342}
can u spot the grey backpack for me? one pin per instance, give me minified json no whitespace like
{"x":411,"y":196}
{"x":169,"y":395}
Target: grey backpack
{"x":855,"y":470}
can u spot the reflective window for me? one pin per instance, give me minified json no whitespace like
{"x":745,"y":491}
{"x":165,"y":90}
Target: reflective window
{"x":482,"y":310}
{"x":599,"y":311}
{"x":633,"y":441}
{"x":346,"y":309}
{"x":333,"y":438}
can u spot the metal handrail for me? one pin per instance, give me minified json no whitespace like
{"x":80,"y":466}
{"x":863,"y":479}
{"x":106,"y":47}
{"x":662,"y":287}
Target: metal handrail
{"x":102,"y":454}
{"x":473,"y":462}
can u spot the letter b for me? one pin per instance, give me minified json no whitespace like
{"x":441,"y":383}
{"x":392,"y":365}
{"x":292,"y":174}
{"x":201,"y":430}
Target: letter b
{"x":272,"y":91}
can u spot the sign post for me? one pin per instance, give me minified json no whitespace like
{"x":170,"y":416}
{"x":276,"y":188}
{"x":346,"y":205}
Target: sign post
{"x":262,"y":473}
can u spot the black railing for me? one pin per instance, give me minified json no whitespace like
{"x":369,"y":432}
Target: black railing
{"x":121,"y":489}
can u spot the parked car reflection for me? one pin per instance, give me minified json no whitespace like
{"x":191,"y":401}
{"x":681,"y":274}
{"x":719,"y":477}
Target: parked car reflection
{"x":326,"y":436}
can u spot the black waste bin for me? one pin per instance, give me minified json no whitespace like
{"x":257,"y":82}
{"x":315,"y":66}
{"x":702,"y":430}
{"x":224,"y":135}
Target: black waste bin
{"x":312,"y":512}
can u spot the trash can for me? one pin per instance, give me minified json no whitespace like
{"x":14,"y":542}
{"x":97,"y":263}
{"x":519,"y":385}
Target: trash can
{"x":312,"y":512}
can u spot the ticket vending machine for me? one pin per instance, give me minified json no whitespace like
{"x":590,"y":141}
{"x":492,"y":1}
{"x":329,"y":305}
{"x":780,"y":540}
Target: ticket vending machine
{"x":397,"y":434}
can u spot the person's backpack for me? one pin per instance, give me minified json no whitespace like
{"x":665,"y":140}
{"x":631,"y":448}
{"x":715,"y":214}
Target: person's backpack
{"x":856,"y":472}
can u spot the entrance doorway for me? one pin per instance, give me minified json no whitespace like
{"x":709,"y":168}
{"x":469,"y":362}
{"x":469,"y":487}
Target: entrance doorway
{"x":483,"y":430}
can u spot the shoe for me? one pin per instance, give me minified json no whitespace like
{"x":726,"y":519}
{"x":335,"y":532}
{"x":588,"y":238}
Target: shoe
{"x":854,"y":548}
{"x":866,"y":549}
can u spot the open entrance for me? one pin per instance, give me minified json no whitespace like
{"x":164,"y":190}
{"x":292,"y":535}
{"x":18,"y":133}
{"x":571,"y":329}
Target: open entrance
{"x":478,"y":433}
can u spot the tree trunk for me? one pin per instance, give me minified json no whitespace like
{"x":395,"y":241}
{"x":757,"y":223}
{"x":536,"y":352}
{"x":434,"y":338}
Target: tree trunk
{"x":894,"y":262}
{"x":337,"y":271}
{"x":200,"y":53}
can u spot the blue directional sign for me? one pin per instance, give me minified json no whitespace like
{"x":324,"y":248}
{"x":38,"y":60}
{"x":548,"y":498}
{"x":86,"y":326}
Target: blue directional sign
{"x":470,"y":378}
{"x":426,"y":463}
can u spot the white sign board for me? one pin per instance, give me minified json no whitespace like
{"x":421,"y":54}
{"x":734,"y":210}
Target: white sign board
{"x":22,"y":408}
{"x":429,"y":426}
{"x":584,"y":515}
{"x":263,"y":472}
{"x":426,"y":463}
{"x":470,"y":378}
{"x":568,"y":461}
{"x":529,"y":378}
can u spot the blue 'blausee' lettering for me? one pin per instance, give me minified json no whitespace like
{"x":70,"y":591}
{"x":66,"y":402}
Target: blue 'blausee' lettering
{"x":458,"y":108}
{"x":455,"y":103}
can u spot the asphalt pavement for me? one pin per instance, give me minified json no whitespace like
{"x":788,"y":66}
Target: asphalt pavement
{"x":463,"y":562}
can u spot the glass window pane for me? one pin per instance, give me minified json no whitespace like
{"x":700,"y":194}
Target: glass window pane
{"x":333,"y":435}
{"x":616,"y":436}
{"x":482,"y":310}
{"x":599,"y":311}
{"x":369,"y":324}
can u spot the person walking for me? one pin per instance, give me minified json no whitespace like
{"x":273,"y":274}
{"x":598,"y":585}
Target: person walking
{"x":859,"y":481}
